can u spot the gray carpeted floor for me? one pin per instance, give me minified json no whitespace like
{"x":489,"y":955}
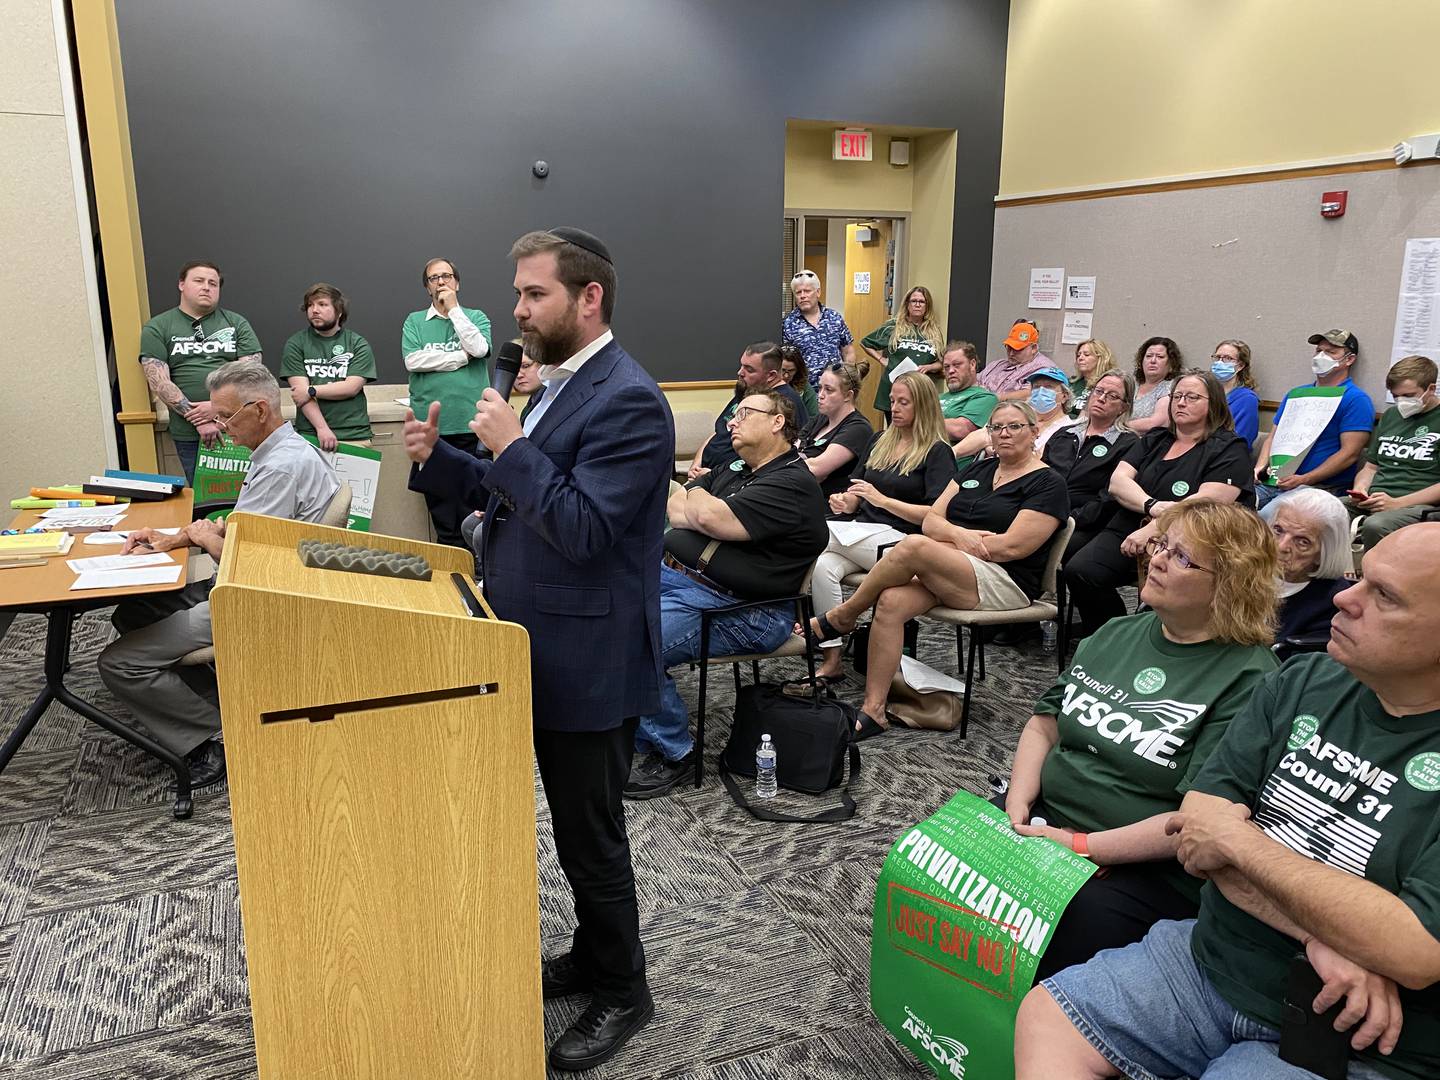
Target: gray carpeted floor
{"x":120,"y":945}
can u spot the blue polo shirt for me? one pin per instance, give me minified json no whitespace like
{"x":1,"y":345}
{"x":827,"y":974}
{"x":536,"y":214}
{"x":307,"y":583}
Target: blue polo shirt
{"x":819,"y":344}
{"x":1356,"y":413}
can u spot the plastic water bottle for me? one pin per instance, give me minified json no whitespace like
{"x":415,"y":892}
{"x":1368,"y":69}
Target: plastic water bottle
{"x":1048,"y":634}
{"x":765,"y":786}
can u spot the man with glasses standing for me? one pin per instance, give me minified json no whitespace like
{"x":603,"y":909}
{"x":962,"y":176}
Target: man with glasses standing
{"x":287,"y":478}
{"x":180,"y":347}
{"x":746,"y":531}
{"x":442,"y":346}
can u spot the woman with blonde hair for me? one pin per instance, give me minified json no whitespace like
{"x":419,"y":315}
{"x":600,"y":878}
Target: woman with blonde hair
{"x":984,"y":547}
{"x":1093,"y":358}
{"x":833,"y":443}
{"x":902,"y":472}
{"x":1139,"y":709}
{"x":915,"y":335}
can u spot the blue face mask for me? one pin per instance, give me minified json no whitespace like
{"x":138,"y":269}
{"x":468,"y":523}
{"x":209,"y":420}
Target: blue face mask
{"x":1222,"y":371}
{"x":1043,"y":399}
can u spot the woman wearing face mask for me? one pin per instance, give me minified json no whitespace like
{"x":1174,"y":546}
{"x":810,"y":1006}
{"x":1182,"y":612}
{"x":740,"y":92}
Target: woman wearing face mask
{"x":832,"y":443}
{"x":1197,"y":454}
{"x":1312,"y":534}
{"x":984,"y":547}
{"x":1157,"y":363}
{"x":916,"y":335}
{"x":1049,"y":397}
{"x":796,"y":376}
{"x":1086,"y":454}
{"x":1092,"y":359}
{"x":1230,"y":363}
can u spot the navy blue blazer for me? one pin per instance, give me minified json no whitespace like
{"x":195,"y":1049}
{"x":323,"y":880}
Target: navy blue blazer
{"x":574,"y":528}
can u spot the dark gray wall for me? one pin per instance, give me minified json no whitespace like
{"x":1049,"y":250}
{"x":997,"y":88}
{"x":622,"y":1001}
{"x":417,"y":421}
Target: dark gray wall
{"x":300,"y":140}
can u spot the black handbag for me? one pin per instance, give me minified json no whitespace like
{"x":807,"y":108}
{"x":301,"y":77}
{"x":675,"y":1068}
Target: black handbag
{"x":812,"y":739}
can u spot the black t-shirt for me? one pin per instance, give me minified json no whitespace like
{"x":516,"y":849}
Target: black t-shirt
{"x":1223,"y":458}
{"x":782,"y":509}
{"x":853,"y":433}
{"x":718,"y":450}
{"x":1086,"y":466}
{"x":921,"y":487}
{"x":978,"y":505}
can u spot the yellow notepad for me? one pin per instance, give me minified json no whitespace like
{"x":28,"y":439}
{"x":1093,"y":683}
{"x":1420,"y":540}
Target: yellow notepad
{"x":46,"y":543}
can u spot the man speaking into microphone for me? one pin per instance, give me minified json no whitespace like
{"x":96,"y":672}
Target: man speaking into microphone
{"x":574,"y":516}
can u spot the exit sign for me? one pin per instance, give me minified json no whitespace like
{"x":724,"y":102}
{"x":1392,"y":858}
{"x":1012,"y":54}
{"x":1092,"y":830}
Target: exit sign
{"x":853,"y":144}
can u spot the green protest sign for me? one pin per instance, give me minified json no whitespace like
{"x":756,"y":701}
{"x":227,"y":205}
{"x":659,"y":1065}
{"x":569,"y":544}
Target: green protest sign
{"x":964,"y":909}
{"x":220,"y":471}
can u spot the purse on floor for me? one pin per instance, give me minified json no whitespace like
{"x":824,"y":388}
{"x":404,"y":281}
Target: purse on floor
{"x":812,"y":739}
{"x":932,"y":710}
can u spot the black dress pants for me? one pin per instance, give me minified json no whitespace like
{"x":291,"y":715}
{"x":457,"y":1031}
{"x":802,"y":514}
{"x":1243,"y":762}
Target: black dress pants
{"x":583,"y":773}
{"x":446,"y":511}
{"x":1094,"y":573}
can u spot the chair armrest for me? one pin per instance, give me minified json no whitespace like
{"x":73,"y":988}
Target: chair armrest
{"x":880,"y":551}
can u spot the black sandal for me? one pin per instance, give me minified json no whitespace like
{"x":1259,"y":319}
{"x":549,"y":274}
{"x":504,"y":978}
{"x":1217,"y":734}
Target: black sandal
{"x":803,"y":688}
{"x":869,"y":727}
{"x":827,"y":629}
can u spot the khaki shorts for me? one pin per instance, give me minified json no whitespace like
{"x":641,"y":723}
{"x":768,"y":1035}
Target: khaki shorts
{"x":997,"y":591}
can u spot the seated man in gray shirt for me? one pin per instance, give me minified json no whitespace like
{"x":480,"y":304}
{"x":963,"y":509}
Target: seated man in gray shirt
{"x":287,"y":478}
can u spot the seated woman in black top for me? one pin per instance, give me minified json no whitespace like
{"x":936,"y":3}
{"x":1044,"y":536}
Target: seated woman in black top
{"x":834,"y":441}
{"x":1312,"y":533}
{"x":984,"y":547}
{"x":1086,"y":453}
{"x":1196,"y":453}
{"x":900,"y":474}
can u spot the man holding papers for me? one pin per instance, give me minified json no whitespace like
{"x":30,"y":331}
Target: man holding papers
{"x":287,"y":478}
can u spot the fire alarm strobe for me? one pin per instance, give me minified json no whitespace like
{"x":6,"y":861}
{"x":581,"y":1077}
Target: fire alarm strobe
{"x":1332,"y":203}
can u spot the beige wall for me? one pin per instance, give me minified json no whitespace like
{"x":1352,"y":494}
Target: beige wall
{"x":1124,"y":90}
{"x":55,"y":419}
{"x":815,"y":181}
{"x":932,"y":228}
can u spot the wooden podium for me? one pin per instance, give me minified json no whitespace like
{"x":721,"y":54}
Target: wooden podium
{"x":379,"y":749}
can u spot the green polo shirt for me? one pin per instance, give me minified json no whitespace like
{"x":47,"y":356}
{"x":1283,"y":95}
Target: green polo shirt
{"x":193,"y":348}
{"x":332,"y":359}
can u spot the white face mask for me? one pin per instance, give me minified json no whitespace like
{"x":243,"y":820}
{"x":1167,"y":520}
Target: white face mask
{"x":1323,"y":364}
{"x":1409,"y":406}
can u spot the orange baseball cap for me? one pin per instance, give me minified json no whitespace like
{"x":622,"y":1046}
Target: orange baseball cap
{"x":1022,"y":334}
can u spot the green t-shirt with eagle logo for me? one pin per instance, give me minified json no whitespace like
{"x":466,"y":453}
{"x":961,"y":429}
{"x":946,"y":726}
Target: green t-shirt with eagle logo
{"x":326,"y":360}
{"x":193,"y":348}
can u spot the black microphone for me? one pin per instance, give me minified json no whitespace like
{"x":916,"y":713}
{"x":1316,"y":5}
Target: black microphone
{"x":507,"y":366}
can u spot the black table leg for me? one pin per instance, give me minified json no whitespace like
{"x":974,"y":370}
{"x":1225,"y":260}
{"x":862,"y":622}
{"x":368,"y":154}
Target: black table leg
{"x":57,"y":661}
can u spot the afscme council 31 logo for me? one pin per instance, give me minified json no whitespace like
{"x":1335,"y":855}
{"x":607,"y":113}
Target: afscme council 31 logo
{"x":949,"y":1054}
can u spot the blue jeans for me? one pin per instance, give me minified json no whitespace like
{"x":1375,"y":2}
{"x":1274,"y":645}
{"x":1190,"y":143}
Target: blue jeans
{"x":187,"y":452}
{"x":1151,"y":1012}
{"x":681,"y":601}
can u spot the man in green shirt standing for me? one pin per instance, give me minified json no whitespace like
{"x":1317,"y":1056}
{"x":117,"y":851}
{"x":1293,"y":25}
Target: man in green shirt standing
{"x":1316,"y":823}
{"x":180,"y":347}
{"x":327,"y":367}
{"x":1401,"y":474}
{"x":444,"y":347}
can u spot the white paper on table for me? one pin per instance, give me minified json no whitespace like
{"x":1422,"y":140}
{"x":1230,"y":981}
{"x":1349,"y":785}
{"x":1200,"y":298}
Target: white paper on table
{"x":902,"y":367}
{"x":924,"y":678}
{"x":1047,"y":286}
{"x":1080,"y":292}
{"x":118,"y":562}
{"x":88,"y":513}
{"x":403,"y":401}
{"x":79,"y":523}
{"x":127,"y":579}
{"x":117,"y":536}
{"x":852,"y":532}
{"x":1077,"y":327}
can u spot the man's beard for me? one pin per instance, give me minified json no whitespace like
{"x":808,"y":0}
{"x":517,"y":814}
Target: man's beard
{"x":558,"y":345}
{"x":741,"y":388}
{"x":324,"y":328}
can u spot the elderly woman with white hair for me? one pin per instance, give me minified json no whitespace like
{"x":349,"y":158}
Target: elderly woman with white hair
{"x":1312,"y":534}
{"x":818,"y":332}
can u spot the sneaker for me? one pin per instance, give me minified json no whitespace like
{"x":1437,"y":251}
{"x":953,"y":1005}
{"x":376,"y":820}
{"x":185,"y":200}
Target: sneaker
{"x":598,"y":1034}
{"x":657,"y":777}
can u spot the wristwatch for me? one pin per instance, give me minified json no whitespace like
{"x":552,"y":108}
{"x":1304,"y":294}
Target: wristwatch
{"x":1148,"y":502}
{"x":311,"y":389}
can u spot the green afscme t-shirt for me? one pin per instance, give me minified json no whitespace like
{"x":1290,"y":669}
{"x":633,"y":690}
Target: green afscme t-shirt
{"x":458,"y":390}
{"x":974,"y":403}
{"x":191,"y":353}
{"x":332,"y":359}
{"x":1138,"y":715}
{"x":1404,"y":452}
{"x":1328,"y":773}
{"x":913,"y":348}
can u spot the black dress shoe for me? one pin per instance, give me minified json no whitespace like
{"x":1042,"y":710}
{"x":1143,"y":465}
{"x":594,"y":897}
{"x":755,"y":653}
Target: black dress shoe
{"x":598,"y":1034}
{"x":561,"y":977}
{"x":207,"y":764}
{"x":657,"y":777}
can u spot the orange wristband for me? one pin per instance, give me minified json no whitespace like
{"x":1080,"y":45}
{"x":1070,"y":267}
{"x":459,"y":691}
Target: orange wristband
{"x":1080,"y":844}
